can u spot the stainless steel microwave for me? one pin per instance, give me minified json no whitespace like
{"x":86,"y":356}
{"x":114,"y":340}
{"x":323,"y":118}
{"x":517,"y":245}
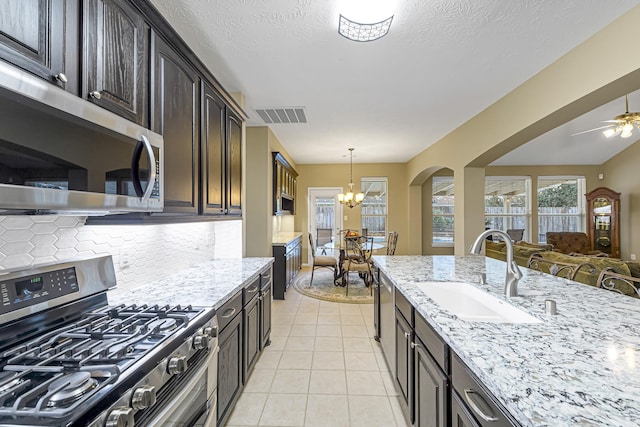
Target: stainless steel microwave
{"x":61,"y":154}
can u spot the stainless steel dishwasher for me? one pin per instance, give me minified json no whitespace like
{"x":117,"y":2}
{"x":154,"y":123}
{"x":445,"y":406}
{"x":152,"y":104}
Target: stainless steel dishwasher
{"x":387,"y":321}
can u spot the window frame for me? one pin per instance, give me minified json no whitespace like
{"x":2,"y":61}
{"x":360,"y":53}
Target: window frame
{"x":385,"y":180}
{"x":528,"y":185}
{"x":581,"y":202}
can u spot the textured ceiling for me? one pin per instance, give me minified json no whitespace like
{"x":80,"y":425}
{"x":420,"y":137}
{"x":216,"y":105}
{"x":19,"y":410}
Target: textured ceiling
{"x":442,"y":62}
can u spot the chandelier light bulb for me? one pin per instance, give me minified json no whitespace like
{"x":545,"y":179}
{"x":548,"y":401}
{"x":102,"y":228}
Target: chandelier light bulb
{"x":350,"y":199}
{"x":609,"y":132}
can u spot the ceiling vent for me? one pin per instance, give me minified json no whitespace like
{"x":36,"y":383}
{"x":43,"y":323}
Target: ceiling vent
{"x":283,"y":115}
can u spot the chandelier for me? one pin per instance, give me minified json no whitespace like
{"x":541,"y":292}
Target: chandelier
{"x":351,"y":199}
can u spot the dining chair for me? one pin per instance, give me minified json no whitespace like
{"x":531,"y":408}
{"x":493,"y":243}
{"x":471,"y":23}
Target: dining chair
{"x":322,"y":261}
{"x":358,"y":259}
{"x":323,"y":236}
{"x":392,"y":242}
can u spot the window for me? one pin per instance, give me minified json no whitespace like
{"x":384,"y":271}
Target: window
{"x":442,"y":205}
{"x":561,"y":205}
{"x":506,"y":203}
{"x":373,"y":210}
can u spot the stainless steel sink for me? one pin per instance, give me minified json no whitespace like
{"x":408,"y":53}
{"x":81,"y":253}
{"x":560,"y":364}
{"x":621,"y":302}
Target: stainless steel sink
{"x":472,"y":304}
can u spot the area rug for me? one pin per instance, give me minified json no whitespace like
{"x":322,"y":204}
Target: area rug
{"x":324,"y":289}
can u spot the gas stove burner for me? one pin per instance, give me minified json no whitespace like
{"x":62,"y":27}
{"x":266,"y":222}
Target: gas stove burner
{"x":163,"y":325}
{"x":74,"y":386}
{"x":8,"y":381}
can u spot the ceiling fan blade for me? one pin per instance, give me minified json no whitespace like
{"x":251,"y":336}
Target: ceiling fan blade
{"x":592,"y":130}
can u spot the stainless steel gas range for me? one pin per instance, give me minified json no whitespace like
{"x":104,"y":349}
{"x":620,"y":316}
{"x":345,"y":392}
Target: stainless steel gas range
{"x":70,"y":359}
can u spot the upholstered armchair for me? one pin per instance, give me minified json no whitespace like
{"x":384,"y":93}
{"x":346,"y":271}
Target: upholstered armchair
{"x":570,"y":242}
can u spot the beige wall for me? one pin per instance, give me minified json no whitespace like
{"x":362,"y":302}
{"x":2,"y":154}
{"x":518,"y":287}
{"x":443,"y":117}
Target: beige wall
{"x":258,"y":187}
{"x":332,"y":175}
{"x":621,"y":175}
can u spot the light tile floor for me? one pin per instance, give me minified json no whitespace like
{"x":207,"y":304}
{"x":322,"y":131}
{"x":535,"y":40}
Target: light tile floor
{"x":323,"y":368}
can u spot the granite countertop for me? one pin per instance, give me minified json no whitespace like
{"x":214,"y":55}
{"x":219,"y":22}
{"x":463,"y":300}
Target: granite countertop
{"x":281,"y":239}
{"x":579,"y":367}
{"x":208,"y":284}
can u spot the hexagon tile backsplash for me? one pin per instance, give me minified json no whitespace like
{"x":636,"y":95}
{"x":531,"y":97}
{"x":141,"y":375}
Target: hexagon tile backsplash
{"x":141,"y":253}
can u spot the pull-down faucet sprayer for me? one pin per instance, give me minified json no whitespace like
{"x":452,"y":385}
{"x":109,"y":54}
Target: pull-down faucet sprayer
{"x":513,"y":271}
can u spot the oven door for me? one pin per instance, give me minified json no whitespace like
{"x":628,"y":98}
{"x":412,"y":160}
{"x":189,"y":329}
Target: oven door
{"x":189,"y":403}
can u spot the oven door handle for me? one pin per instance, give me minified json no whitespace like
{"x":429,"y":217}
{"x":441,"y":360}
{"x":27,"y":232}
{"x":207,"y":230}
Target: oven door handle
{"x":178,"y":400}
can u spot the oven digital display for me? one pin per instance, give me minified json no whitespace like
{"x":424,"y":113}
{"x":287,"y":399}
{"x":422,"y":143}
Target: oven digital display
{"x":36,"y":289}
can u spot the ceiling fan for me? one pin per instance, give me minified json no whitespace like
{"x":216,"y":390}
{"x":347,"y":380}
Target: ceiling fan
{"x":620,"y":125}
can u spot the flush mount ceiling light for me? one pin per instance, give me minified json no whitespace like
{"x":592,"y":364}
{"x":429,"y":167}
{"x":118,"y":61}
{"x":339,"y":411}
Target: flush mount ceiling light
{"x":363,"y":32}
{"x":622,"y":124}
{"x":365,"y":20}
{"x":349,"y":198}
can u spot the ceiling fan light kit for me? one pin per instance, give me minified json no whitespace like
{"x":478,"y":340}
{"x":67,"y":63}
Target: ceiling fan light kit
{"x":624,"y":123}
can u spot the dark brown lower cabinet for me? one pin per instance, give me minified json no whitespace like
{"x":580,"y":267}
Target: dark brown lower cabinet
{"x":430,"y":389}
{"x":230,"y":359}
{"x":403,"y":369}
{"x":252,"y":337}
{"x":229,"y":368}
{"x":266,"y":297}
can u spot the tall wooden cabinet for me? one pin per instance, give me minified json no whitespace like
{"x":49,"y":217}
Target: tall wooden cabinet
{"x":176,"y":116}
{"x":603,"y":213}
{"x":221,"y":156}
{"x":116,"y":58}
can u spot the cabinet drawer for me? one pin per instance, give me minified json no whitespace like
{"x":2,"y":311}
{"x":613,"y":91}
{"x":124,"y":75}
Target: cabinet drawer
{"x":482,"y":405}
{"x":404,"y":307}
{"x":265,"y":278}
{"x":251,"y":290}
{"x":436,"y":347}
{"x":229,"y":310}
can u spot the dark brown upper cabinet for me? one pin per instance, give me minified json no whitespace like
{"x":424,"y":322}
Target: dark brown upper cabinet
{"x":116,"y":58}
{"x":33,"y":36}
{"x":284,"y":185}
{"x":176,"y":116}
{"x":221,"y":147}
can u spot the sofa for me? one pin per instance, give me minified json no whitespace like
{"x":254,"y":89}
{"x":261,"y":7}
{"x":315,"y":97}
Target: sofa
{"x":588,"y":274}
{"x":571,"y":242}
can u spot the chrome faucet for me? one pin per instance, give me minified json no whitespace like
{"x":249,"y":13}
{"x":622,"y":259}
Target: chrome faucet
{"x":513,"y":271}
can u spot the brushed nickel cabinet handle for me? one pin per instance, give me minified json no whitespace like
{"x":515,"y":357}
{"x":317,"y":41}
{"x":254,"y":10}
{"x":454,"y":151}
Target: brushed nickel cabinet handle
{"x":95,"y":94}
{"x":61,"y":78}
{"x":468,"y":393}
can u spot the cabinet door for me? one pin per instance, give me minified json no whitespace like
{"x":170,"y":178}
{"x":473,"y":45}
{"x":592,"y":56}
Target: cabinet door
{"x":116,"y":62}
{"x":175,"y":115}
{"x":234,"y":166}
{"x":32,"y":36}
{"x":404,"y":336}
{"x":213,"y":152}
{"x":460,"y":416}
{"x":229,"y":368}
{"x":252,"y":336}
{"x":265,"y":316}
{"x":430,"y":390}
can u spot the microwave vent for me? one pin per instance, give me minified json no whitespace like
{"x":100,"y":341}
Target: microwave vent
{"x":283,"y":115}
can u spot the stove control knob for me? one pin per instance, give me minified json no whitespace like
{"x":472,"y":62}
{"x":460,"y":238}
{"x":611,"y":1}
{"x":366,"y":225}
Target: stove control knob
{"x":120,"y":417}
{"x":211,"y":331}
{"x":177,"y":365}
{"x":143,"y":397}
{"x":200,"y":342}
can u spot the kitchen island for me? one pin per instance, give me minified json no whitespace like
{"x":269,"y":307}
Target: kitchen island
{"x":579,"y":367}
{"x":208,"y":284}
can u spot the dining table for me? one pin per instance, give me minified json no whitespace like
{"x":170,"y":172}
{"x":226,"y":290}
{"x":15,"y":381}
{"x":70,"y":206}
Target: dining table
{"x":339,"y":281}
